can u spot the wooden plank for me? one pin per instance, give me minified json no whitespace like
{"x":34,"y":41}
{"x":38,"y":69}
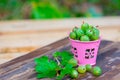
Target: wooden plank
{"x":50,"y":48}
{"x":6,"y":56}
{"x":24,"y":43}
{"x":22,"y":67}
{"x":113,"y":74}
{"x":25,"y":36}
{"x":42,"y":39}
{"x":26,"y":25}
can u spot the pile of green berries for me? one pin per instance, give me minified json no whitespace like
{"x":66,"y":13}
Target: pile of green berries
{"x":96,"y":70}
{"x":85,"y":33}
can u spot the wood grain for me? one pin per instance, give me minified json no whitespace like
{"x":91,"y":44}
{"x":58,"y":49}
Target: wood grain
{"x":22,"y":36}
{"x":22,"y":68}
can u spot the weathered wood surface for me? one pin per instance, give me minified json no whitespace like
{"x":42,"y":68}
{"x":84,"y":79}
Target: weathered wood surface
{"x":22,"y":68}
{"x":20,"y":37}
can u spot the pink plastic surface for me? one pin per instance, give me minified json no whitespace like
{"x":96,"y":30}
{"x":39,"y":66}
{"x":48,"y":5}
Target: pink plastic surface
{"x":85,"y":52}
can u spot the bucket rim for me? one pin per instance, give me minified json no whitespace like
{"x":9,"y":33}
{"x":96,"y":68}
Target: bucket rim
{"x":85,"y":41}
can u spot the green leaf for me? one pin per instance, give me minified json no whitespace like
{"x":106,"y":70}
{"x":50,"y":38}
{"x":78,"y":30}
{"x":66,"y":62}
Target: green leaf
{"x":44,"y":75}
{"x":64,"y":57}
{"x":56,"y":54}
{"x":40,"y":60}
{"x":65,"y":71}
{"x":45,"y":68}
{"x":48,"y":68}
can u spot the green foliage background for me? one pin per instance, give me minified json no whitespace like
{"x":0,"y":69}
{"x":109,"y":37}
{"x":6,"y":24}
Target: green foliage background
{"x":48,"y":9}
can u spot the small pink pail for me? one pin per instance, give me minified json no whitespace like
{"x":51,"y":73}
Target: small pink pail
{"x":85,"y":52}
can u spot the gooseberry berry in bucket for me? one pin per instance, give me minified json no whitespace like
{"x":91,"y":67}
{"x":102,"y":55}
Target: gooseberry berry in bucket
{"x":85,"y":42}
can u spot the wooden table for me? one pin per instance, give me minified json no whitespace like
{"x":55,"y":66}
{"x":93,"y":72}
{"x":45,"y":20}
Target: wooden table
{"x":17,"y":38}
{"x":22,"y":68}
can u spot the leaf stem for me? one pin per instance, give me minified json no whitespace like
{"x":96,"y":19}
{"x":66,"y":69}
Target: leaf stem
{"x":57,"y":60}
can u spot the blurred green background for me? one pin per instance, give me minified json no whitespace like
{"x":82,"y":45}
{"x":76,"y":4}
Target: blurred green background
{"x":50,"y":9}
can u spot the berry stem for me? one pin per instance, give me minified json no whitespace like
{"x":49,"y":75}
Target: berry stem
{"x":97,"y":26}
{"x":83,"y":22}
{"x":76,"y":27}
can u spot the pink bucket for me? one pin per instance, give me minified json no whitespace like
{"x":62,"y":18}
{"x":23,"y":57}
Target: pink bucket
{"x":85,"y":52}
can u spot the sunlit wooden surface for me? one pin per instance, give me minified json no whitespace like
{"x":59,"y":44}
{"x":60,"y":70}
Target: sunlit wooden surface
{"x":20,"y":37}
